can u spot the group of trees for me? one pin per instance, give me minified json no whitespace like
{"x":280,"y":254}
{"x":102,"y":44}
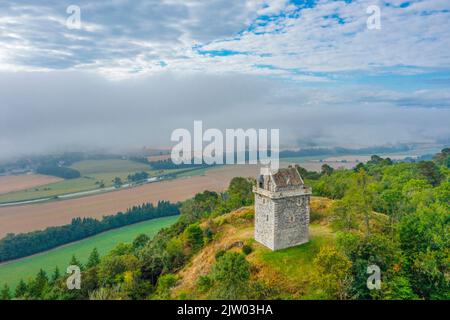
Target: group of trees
{"x":138,"y":176}
{"x":58,"y":171}
{"x":394,"y":216}
{"x":21,"y":245}
{"x":305,"y":152}
{"x":169,"y":165}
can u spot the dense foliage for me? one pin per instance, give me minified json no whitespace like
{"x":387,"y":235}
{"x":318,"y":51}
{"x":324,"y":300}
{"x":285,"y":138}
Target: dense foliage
{"x":392,"y":215}
{"x":21,"y":245}
{"x":138,"y":176}
{"x":58,"y":171}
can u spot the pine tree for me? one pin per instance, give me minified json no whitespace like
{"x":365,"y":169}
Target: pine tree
{"x":5,"y":294}
{"x":94,"y":259}
{"x":56,"y":275}
{"x":74,"y":262}
{"x":21,"y":289}
{"x":39,"y":284}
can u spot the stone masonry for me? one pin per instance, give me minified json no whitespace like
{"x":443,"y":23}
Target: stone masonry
{"x":282,"y":209}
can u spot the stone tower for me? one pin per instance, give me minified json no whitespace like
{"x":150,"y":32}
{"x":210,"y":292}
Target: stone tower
{"x":281,"y":209}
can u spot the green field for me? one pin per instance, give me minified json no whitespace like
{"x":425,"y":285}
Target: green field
{"x":12,"y":272}
{"x":88,"y":167}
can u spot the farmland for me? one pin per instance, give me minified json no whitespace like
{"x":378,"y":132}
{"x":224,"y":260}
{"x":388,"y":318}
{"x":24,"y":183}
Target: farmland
{"x":26,"y":218}
{"x":95,"y":174}
{"x":15,"y":183}
{"x":12,"y":272}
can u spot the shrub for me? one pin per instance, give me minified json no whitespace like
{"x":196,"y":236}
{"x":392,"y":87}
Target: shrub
{"x":246,"y":249}
{"x":220,"y":253}
{"x":204,"y":284}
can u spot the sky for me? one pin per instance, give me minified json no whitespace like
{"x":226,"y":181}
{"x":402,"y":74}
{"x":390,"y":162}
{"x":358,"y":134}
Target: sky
{"x":133,"y":71}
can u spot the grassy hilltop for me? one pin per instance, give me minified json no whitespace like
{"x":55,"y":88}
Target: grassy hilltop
{"x":288,"y":273}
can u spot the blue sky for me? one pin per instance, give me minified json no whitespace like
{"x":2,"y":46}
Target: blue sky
{"x":313,"y":57}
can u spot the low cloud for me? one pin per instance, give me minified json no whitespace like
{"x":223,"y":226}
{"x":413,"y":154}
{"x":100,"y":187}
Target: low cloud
{"x":51,"y":111}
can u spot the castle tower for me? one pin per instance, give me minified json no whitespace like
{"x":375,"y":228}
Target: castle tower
{"x":282,"y":209}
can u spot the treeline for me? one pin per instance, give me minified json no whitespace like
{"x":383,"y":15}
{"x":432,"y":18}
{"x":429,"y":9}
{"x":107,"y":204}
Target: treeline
{"x":138,"y":176}
{"x":342,"y":151}
{"x":58,"y":171}
{"x":22,"y":245}
{"x":169,"y":165}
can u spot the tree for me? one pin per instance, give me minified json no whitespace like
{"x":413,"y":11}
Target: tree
{"x":194,"y":237}
{"x":39,"y":285}
{"x":231,"y":274}
{"x":165,"y":283}
{"x":362,"y":190}
{"x":363,"y":251}
{"x":117,"y":182}
{"x":240,"y":191}
{"x":326,"y":169}
{"x":21,"y":289}
{"x":94,"y":259}
{"x":431,"y":172}
{"x":5,"y":294}
{"x":74,"y":262}
{"x":424,"y":238}
{"x":140,"y":241}
{"x":56,"y":275}
{"x":332,"y":273}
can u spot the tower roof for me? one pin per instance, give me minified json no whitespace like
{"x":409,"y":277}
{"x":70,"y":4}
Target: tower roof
{"x":287,"y":177}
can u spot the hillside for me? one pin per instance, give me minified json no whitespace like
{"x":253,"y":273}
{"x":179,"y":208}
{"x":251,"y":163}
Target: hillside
{"x":286,"y":272}
{"x":27,"y":268}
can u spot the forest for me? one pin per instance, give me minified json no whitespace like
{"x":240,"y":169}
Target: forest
{"x":391,"y":214}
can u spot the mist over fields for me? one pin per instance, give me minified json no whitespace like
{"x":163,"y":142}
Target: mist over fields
{"x":44,"y":112}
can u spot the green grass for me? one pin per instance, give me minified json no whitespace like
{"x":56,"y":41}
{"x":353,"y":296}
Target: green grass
{"x":88,"y":167}
{"x":296,"y":263}
{"x":12,"y":272}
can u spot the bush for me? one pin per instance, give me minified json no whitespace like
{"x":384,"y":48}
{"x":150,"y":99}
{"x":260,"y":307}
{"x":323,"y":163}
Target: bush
{"x":231,"y":274}
{"x":194,"y":237}
{"x":204,"y":284}
{"x":246,"y":249}
{"x":220,"y":253}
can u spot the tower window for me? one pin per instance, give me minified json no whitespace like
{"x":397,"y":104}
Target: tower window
{"x":267,"y":218}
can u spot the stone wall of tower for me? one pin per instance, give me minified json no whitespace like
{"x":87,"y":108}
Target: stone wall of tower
{"x":282,"y":223}
{"x":291,"y":221}
{"x":264,"y":220}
